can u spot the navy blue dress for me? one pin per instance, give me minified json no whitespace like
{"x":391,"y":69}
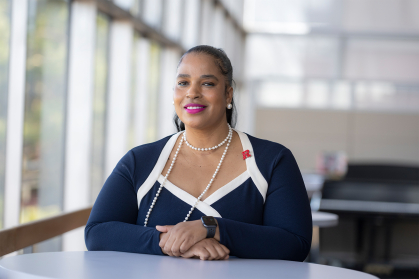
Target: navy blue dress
{"x":263,"y":213}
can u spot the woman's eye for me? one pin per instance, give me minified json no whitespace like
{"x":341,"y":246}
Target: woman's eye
{"x":182,"y":83}
{"x":209,"y":84}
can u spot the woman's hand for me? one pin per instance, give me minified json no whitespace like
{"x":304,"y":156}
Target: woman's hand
{"x":176,"y":240}
{"x":207,"y":249}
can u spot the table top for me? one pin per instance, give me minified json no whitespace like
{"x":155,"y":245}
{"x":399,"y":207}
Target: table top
{"x":107,"y":264}
{"x":324,"y":219}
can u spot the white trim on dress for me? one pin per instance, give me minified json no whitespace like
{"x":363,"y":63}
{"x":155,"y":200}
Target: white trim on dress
{"x":223,"y":191}
{"x":252,"y":168}
{"x":204,"y":206}
{"x":188,"y":198}
{"x":158,"y":168}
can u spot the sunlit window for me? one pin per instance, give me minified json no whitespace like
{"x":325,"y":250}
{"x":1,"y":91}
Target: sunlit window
{"x":281,"y":94}
{"x":4,"y":69}
{"x":341,"y":97}
{"x":153,"y":86}
{"x":43,"y":143}
{"x":99,"y":104}
{"x":172,"y":22}
{"x":133,"y":98}
{"x":152,"y":13}
{"x":317,"y":94}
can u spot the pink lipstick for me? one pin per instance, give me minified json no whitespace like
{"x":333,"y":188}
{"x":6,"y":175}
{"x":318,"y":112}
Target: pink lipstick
{"x":194,"y":108}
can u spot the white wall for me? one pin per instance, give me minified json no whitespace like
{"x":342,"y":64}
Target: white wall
{"x":364,"y":136}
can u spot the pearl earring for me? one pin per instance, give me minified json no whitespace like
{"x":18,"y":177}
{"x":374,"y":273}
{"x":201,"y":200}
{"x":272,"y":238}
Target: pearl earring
{"x":229,"y":106}
{"x":173,"y":103}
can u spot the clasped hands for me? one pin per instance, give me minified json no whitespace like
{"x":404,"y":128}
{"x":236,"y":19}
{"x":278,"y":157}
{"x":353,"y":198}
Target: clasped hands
{"x":188,"y":240}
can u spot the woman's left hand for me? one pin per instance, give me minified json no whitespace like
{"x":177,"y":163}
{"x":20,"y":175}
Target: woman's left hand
{"x":179,"y":238}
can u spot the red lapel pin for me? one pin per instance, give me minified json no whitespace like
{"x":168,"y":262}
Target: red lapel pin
{"x":246,"y":154}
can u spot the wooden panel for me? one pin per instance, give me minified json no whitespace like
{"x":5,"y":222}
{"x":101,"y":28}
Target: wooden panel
{"x":19,"y":237}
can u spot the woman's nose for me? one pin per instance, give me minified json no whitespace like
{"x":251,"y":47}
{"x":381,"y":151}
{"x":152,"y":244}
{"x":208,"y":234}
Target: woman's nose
{"x":193,"y":92}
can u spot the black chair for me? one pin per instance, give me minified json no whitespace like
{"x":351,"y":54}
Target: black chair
{"x":374,"y":197}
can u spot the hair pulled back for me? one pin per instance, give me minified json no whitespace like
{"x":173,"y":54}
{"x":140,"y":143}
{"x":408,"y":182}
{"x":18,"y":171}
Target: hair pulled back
{"x":224,"y":64}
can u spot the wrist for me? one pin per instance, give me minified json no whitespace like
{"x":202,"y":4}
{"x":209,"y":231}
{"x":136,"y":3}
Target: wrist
{"x":210,"y":224}
{"x":202,"y":230}
{"x":217,"y":232}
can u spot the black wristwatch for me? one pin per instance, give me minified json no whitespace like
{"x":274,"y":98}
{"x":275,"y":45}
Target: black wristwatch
{"x":210,"y":224}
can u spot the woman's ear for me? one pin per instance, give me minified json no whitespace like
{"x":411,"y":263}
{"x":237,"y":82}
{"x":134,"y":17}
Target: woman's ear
{"x":229,"y":94}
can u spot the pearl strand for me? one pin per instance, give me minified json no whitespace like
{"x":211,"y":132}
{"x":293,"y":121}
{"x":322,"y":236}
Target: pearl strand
{"x":161,"y":186}
{"x":229,"y":137}
{"x":210,"y":148}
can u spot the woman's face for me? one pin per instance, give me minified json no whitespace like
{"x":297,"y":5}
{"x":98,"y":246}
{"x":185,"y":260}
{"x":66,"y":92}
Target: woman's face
{"x":200,"y":95}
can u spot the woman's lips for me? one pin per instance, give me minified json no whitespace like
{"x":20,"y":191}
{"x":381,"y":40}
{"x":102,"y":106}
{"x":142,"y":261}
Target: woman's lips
{"x":194,"y":108}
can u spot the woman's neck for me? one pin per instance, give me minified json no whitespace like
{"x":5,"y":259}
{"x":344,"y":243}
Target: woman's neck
{"x":206,"y":138}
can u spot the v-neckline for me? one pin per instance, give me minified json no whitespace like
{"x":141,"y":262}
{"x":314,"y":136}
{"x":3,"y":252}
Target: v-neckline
{"x":251,"y":168}
{"x":231,"y":182}
{"x":217,"y":195}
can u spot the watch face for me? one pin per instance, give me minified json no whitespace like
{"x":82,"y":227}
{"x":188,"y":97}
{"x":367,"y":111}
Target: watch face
{"x":209,"y":220}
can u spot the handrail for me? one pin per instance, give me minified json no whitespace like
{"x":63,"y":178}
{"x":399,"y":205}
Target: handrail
{"x":28,"y":234}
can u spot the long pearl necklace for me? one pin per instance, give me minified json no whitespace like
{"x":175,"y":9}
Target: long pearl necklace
{"x":229,"y":136}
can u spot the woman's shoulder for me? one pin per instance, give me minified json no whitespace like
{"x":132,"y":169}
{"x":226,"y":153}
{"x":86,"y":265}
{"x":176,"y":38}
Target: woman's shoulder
{"x":140,"y":160}
{"x":152,"y":148}
{"x":268,"y":154}
{"x":265,"y":148}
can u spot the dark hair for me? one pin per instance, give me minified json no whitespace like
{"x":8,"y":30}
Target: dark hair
{"x":226,"y":69}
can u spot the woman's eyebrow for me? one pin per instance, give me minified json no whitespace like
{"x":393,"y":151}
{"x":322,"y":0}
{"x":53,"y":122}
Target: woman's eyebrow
{"x":183,"y":76}
{"x":209,"y":76}
{"x":203,"y":76}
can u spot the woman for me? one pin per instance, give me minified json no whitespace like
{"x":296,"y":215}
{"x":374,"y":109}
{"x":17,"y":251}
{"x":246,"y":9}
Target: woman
{"x":155,"y":197}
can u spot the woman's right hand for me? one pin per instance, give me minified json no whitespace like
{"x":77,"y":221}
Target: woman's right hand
{"x":207,"y":249}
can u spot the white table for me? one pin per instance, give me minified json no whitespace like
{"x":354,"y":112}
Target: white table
{"x":103,"y":265}
{"x":324,"y":219}
{"x":320,"y":220}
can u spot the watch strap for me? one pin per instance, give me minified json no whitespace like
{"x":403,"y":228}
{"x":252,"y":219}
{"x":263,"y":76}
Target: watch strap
{"x":211,"y":232}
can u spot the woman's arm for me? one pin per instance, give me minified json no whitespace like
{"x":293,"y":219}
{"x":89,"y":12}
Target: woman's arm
{"x":112,"y":222}
{"x":287,"y":225}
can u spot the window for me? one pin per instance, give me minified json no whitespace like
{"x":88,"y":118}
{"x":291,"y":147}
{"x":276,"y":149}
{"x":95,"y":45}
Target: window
{"x":132,"y":142}
{"x":153,"y":86}
{"x":4,"y":69}
{"x":99,"y":105}
{"x":44,"y":120}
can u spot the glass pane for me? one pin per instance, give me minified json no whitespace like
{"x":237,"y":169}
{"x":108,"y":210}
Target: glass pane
{"x":381,"y":16}
{"x":341,"y":95}
{"x":152,"y":13}
{"x":217,"y":27}
{"x":191,"y":18}
{"x":153,"y":91}
{"x":281,"y":94}
{"x":382,"y":59}
{"x":386,"y":96}
{"x":134,"y":73}
{"x":294,"y":17}
{"x":99,"y":105}
{"x":44,"y":120}
{"x":293,"y":57}
{"x":135,"y":7}
{"x":317,"y":94}
{"x":4,"y":80}
{"x":172,"y":22}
